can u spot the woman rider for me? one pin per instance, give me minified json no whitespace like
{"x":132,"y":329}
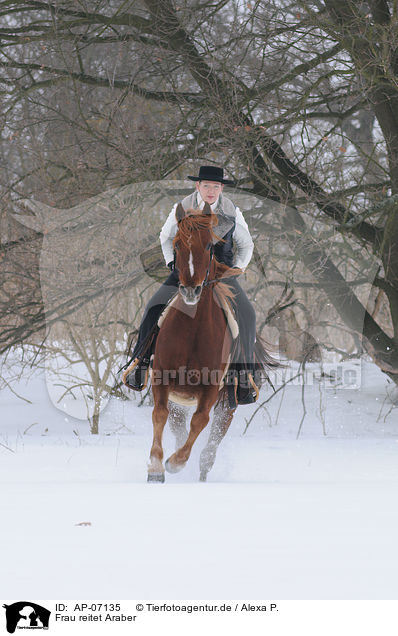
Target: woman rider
{"x":233,"y":229}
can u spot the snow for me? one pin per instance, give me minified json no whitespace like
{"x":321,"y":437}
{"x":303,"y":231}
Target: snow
{"x":280,"y":517}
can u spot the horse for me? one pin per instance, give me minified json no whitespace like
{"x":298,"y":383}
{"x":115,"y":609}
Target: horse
{"x":193,"y":347}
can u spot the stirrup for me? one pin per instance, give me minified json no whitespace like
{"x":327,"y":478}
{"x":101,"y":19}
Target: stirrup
{"x":247,"y":394}
{"x":242,"y":395}
{"x":130,"y":369}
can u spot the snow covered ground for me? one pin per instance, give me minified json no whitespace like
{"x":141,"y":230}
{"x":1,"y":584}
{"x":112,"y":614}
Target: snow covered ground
{"x":279,"y":518}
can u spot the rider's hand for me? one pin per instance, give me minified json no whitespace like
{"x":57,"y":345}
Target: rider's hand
{"x":237,"y":271}
{"x":171,"y":265}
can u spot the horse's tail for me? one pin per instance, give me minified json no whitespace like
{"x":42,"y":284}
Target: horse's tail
{"x":263,"y":361}
{"x":263,"y":357}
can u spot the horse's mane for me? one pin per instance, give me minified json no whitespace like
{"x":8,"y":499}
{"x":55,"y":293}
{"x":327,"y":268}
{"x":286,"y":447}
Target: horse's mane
{"x":224,"y":271}
{"x":194,"y":221}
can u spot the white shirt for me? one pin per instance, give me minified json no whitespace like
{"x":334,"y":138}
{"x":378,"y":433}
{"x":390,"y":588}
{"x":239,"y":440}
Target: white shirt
{"x":241,"y":236}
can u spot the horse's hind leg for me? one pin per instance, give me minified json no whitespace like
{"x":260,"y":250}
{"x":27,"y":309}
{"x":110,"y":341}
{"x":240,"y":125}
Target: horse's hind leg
{"x":222,"y":419}
{"x":177,"y":423}
{"x":159,"y":419}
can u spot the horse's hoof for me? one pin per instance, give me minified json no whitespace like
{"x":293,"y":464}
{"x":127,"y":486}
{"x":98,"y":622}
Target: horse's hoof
{"x":203,"y":477}
{"x":155,"y":478}
{"x":173,"y":468}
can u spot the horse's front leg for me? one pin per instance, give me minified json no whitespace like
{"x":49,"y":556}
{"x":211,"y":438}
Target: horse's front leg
{"x":221,"y":421}
{"x":199,"y":420}
{"x":159,"y":418}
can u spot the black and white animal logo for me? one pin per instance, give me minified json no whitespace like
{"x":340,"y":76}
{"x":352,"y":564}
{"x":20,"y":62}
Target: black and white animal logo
{"x":25,"y":615}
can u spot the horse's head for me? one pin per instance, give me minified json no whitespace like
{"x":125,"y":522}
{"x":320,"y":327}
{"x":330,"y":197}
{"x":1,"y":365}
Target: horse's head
{"x":193,"y":244}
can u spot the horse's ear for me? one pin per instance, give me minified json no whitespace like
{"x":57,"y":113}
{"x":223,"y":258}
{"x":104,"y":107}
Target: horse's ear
{"x":180,"y":212}
{"x":206,"y":209}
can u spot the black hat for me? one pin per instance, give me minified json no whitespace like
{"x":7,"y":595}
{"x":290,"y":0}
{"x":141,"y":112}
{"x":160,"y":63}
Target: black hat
{"x":211,"y":173}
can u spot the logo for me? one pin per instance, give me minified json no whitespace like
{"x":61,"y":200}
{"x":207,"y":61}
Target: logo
{"x":26,"y":615}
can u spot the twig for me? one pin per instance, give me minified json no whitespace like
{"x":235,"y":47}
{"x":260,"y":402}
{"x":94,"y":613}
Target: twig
{"x":30,"y":426}
{"x":321,"y":409}
{"x":15,"y":393}
{"x":7,"y":447}
{"x":260,"y":406}
{"x":304,"y":409}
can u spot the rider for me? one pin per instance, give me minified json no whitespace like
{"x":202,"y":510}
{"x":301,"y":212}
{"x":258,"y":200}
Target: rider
{"x":231,"y":227}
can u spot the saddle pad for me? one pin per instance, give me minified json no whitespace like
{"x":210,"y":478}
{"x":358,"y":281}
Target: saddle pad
{"x":166,"y":309}
{"x":230,"y":318}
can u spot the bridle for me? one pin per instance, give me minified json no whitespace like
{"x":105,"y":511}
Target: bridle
{"x":206,"y":280}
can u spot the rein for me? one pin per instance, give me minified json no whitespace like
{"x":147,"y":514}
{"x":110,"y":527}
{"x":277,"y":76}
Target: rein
{"x":206,"y":279}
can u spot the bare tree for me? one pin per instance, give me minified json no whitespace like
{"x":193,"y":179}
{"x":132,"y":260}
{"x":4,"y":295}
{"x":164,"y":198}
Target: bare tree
{"x":297,"y":100}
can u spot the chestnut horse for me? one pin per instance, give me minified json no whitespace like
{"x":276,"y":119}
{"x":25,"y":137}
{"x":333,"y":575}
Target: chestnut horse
{"x":193,"y":344}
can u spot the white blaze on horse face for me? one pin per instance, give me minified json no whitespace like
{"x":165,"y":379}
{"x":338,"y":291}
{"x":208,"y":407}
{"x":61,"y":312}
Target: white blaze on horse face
{"x":190,"y":262}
